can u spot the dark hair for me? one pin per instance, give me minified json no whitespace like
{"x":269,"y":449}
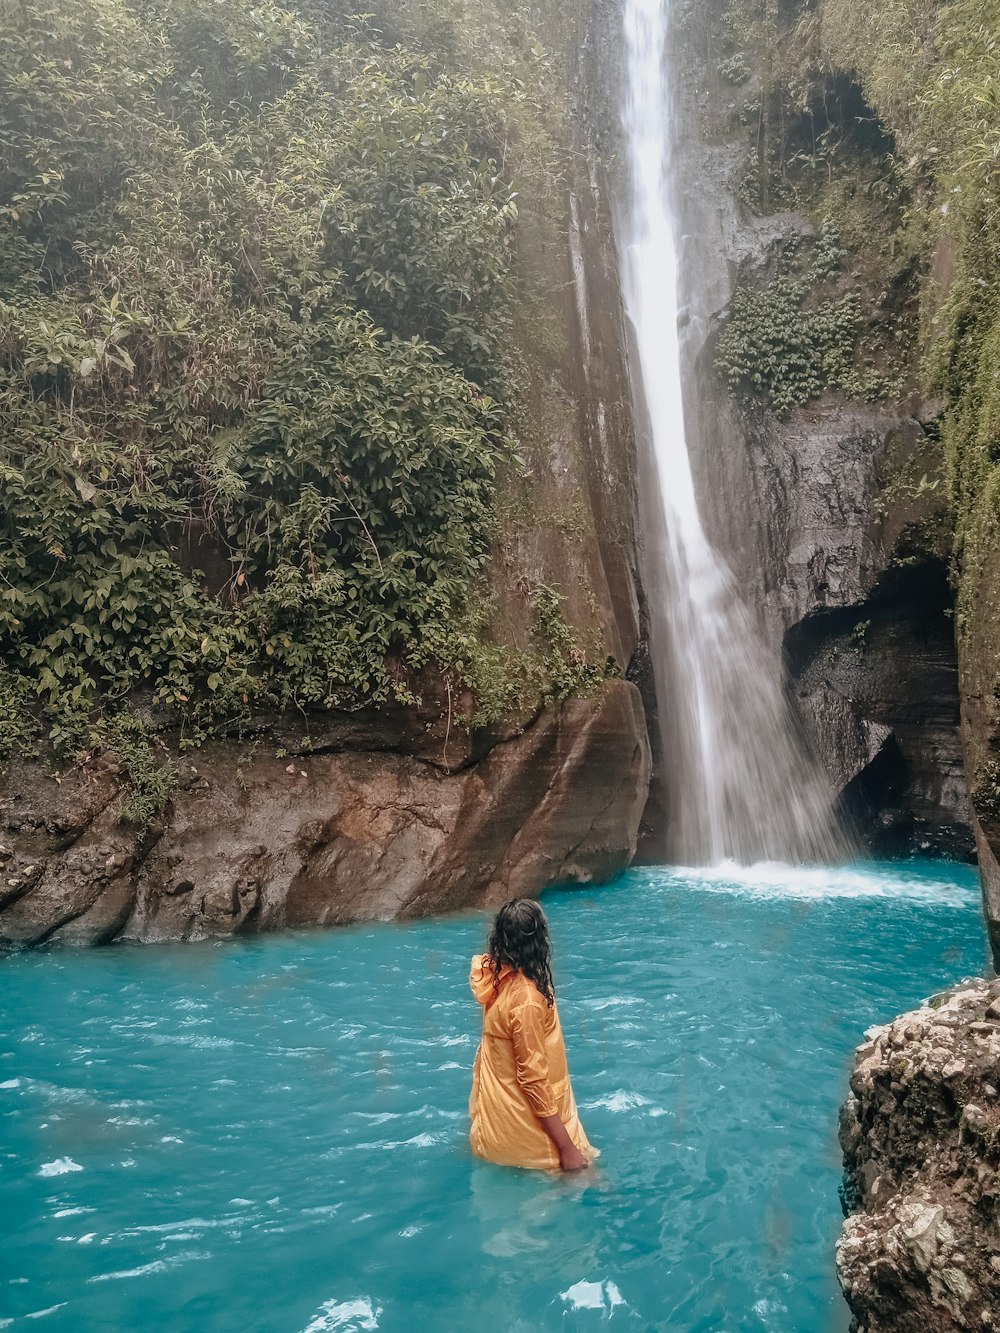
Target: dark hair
{"x":520,"y":938}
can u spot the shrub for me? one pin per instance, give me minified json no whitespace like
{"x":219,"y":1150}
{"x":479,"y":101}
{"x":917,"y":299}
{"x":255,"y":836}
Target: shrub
{"x":255,"y":284}
{"x":785,"y":343}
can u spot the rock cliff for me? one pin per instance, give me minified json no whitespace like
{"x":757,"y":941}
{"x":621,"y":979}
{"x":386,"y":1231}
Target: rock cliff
{"x":920,"y":1249}
{"x":797,"y":506}
{"x":418,"y":805}
{"x":852,"y":595}
{"x":921,"y":75}
{"x":251,"y":842}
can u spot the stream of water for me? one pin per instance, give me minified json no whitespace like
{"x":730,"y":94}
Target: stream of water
{"x":269,"y":1135}
{"x":740,"y":782}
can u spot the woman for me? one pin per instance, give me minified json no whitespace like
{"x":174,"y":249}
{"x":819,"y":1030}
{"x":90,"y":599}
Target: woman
{"x":522,"y":1106}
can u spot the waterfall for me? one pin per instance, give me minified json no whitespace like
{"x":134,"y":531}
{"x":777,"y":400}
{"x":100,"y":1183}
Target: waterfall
{"x":740,"y":784}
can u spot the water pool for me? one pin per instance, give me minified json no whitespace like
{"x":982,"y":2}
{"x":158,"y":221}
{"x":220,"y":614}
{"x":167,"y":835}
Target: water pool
{"x":271,"y":1134}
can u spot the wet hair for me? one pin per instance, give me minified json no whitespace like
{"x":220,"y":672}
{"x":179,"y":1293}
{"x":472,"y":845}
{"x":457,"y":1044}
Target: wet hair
{"x":520,"y":939}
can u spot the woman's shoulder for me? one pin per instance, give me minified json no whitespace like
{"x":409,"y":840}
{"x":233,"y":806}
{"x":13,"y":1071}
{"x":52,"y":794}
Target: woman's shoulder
{"x":481,"y":978}
{"x":523,"y":991}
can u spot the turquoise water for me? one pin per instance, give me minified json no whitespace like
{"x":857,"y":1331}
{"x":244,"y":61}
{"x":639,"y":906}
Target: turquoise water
{"x":271,"y":1134}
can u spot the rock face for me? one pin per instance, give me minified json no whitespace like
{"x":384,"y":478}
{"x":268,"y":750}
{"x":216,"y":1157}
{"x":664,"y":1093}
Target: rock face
{"x":878,"y":683}
{"x":860,"y":620}
{"x":401,"y":812}
{"x":980,"y":689}
{"x":920,"y":1249}
{"x":862,"y":623}
{"x":325,"y":838}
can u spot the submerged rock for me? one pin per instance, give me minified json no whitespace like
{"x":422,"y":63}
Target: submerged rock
{"x":920,"y":1249}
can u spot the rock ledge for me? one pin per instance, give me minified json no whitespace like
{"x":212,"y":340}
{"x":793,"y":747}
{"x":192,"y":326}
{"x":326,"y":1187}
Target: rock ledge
{"x":330,"y":838}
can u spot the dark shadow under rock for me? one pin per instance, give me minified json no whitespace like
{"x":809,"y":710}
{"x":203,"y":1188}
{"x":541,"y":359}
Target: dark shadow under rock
{"x":877,"y":684}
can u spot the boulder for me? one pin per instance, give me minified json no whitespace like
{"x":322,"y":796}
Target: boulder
{"x":920,"y":1132}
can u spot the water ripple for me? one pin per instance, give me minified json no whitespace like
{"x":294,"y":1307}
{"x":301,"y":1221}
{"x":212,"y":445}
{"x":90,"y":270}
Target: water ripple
{"x":307,"y":1133}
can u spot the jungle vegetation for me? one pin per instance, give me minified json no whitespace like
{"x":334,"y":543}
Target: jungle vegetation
{"x":884,"y":121}
{"x":257,"y":273}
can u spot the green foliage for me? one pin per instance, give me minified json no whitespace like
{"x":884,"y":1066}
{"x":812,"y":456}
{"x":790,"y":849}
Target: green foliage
{"x":505,"y":683}
{"x":815,"y":146}
{"x":734,"y":69}
{"x":930,"y":70}
{"x":931,"y":73}
{"x":256,"y":276}
{"x":963,"y":360}
{"x":784,"y":344}
{"x":17,"y":726}
{"x":828,"y":253}
{"x":146,"y":769}
{"x":749,"y":189}
{"x":566,"y":669}
{"x":775,"y":348}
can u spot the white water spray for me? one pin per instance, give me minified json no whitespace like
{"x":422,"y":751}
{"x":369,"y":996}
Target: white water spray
{"x":739,"y":782}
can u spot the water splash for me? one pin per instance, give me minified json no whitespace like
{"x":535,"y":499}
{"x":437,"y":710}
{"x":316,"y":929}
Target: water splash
{"x":953,"y":886}
{"x":739,"y":781}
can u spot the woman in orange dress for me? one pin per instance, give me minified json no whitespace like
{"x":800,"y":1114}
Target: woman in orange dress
{"x":522,"y":1105}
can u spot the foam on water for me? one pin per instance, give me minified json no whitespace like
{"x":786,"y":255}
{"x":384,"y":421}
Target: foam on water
{"x":359,"y":1314}
{"x":603,"y":1296}
{"x":60,"y":1167}
{"x":778,"y":879}
{"x":311,"y":1171}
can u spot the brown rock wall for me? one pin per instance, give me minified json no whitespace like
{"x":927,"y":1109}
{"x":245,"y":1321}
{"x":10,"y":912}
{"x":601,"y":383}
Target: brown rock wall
{"x":324,"y":839}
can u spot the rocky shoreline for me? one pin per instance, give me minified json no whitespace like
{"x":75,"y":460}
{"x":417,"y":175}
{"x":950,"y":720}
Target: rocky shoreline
{"x":324,"y":838}
{"x":920,"y":1131}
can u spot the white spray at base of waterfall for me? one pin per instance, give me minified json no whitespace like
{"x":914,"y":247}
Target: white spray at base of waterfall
{"x":897,"y":883}
{"x":740,"y":785}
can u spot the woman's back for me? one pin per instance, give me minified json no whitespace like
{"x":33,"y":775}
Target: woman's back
{"x":521,"y":1075}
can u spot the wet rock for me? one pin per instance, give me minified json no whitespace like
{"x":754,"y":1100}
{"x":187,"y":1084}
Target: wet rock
{"x":862,"y":623}
{"x":920,"y":1248}
{"x":878,"y":685}
{"x":798,"y":507}
{"x":342,"y":837}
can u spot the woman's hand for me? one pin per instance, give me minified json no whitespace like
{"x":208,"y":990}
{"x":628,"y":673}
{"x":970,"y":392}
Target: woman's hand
{"x":570,"y":1156}
{"x":572,"y":1159}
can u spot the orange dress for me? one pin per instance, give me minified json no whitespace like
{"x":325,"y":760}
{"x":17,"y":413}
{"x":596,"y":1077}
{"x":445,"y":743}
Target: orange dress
{"x":520,"y":1074}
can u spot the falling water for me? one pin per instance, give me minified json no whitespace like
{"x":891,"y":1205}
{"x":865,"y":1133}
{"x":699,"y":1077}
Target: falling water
{"x":740,"y":784}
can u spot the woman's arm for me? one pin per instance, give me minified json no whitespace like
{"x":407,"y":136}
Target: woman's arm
{"x":532,"y":1068}
{"x":570,"y":1156}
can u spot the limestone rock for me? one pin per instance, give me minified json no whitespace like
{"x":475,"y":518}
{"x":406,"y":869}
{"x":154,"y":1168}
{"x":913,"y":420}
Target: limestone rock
{"x":920,"y":1249}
